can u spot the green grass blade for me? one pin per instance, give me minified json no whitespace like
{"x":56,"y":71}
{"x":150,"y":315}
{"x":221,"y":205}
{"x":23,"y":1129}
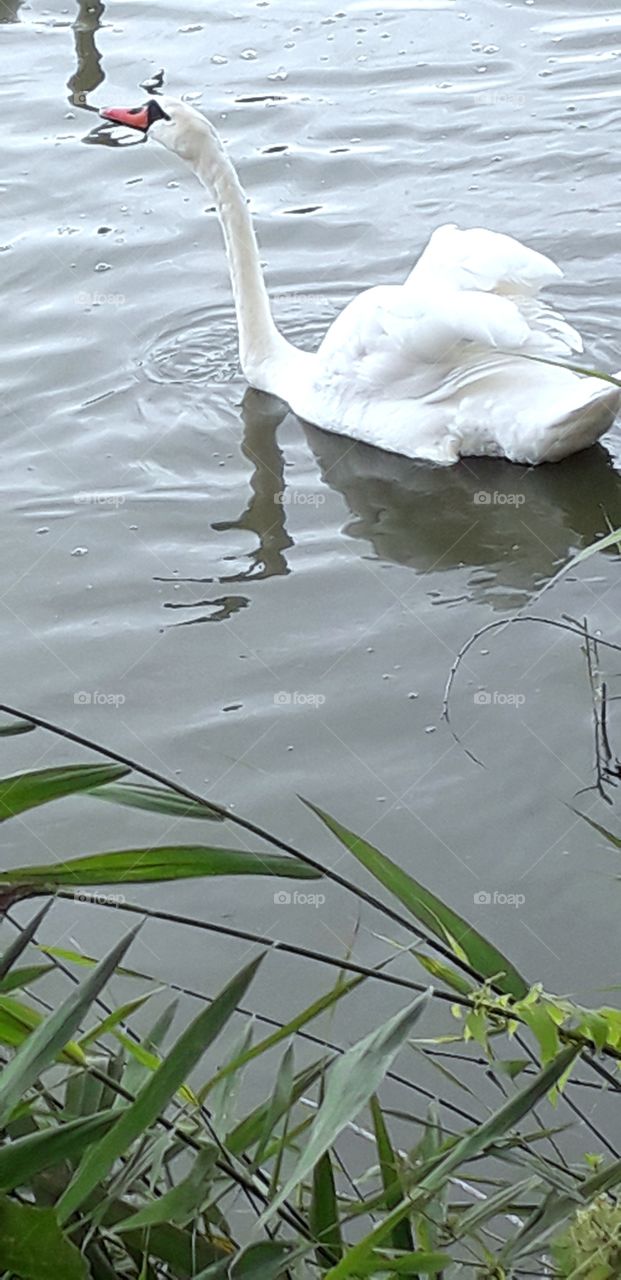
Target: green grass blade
{"x":504,"y":1200}
{"x":116,"y":1016}
{"x":419,"y":1262}
{"x":556,"y":1209}
{"x":23,"y":977}
{"x":22,"y":1160}
{"x":280,"y":1103}
{"x":443,"y":973}
{"x":265,"y":1260}
{"x":610,"y":540}
{"x":32,"y":1245}
{"x":182,"y":1202}
{"x":144,"y":866}
{"x":136,"y":1071}
{"x":8,"y":728}
{"x":430,"y":911}
{"x":40,"y":1049}
{"x":288,"y":1029}
{"x":19,"y":1020}
{"x":602,"y":831}
{"x":250,"y":1130}
{"x":158,"y":800}
{"x":28,"y":790}
{"x":19,"y":944}
{"x":351,"y":1081}
{"x":324,"y":1210}
{"x":401,"y":1237}
{"x":157,"y":1092}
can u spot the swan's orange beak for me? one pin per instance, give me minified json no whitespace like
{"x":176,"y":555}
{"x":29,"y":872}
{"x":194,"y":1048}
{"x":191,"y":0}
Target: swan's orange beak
{"x":132,"y":117}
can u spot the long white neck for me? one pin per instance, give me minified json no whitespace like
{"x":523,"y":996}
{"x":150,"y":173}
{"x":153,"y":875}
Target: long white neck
{"x":260,"y":342}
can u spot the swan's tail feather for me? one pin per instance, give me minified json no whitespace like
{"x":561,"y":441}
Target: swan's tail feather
{"x":584,"y":425}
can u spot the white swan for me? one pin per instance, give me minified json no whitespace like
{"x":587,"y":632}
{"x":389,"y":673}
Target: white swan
{"x":434,"y":368}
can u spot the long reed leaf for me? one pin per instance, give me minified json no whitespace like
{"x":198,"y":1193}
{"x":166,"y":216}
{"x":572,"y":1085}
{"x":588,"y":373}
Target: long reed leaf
{"x":40,"y":1049}
{"x":28,"y":790}
{"x":446,"y":924}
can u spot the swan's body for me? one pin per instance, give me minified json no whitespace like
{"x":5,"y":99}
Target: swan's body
{"x":434,"y":368}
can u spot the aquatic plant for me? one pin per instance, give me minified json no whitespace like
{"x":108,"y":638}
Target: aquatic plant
{"x":134,"y":1153}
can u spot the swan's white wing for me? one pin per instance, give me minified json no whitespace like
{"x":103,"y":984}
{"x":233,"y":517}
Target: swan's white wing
{"x":495,"y":263}
{"x":480,"y":259}
{"x":469,"y":302}
{"x":394,"y":341}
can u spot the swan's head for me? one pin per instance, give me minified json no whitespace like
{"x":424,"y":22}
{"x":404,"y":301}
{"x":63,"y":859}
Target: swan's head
{"x":169,"y":121}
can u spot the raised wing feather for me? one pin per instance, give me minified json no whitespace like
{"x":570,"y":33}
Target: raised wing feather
{"x":480,"y":259}
{"x":469,"y":303}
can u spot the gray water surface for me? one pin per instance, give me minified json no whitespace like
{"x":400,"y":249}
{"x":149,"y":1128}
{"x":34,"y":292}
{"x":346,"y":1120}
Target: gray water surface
{"x":277,"y":608}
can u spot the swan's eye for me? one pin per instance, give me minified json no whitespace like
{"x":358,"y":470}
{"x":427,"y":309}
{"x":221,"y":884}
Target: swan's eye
{"x":155,"y":111}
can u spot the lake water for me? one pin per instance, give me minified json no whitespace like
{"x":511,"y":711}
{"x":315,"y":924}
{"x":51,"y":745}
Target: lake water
{"x":261,"y":609}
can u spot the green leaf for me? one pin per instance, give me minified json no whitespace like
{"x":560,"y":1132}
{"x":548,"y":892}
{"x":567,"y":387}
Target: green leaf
{"x":157,"y":1092}
{"x":150,"y":1062}
{"x":557,"y":1209}
{"x":139,"y":866}
{"x":419,"y":1262}
{"x":442,"y":971}
{"x":265,"y":1260}
{"x":19,"y":944}
{"x":137,"y":1069}
{"x":112,"y":1019}
{"x":182,"y":1202}
{"x":603,"y":831}
{"x":610,"y":540}
{"x":15,"y":726}
{"x":401,"y":1237}
{"x":27,"y":790}
{"x":33,"y":1247}
{"x":503,"y":1200}
{"x":51,"y":1036}
{"x":351,"y":1081}
{"x":157,"y":799}
{"x":23,"y":977}
{"x":251,"y":1129}
{"x":482,"y":956}
{"x":324,"y":1210}
{"x":18,"y":1021}
{"x":290,"y":1028}
{"x":22,"y":1159}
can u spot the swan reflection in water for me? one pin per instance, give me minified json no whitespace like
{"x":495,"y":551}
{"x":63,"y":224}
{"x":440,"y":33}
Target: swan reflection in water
{"x":501,"y":529}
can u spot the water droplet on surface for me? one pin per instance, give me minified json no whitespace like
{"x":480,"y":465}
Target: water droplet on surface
{"x":80,"y":551}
